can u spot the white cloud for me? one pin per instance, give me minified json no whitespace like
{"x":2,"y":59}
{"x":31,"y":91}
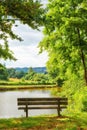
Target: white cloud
{"x":27,"y":57}
{"x":28,"y":35}
{"x":26,"y":52}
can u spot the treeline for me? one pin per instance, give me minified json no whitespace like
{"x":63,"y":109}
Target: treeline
{"x":32,"y":76}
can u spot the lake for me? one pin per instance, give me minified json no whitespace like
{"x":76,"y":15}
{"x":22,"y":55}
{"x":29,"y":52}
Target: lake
{"x":8,"y":103}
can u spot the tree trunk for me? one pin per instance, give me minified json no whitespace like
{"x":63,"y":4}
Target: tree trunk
{"x":84,"y":65}
{"x":82,"y":57}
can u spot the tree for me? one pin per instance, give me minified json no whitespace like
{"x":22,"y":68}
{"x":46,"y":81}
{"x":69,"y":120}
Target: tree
{"x":19,"y":74}
{"x":66,"y":38}
{"x":27,"y":11}
{"x":13,"y":73}
{"x":30,"y":74}
{"x":3,"y":73}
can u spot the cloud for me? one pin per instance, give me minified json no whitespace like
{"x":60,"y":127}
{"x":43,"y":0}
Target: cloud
{"x":27,"y":56}
{"x":28,"y":35}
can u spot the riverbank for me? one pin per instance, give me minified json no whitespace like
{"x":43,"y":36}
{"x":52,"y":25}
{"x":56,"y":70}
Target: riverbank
{"x":41,"y":123}
{"x":18,"y":87}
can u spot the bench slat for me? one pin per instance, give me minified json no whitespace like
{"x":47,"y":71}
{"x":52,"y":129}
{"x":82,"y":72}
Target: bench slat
{"x":41,"y":99}
{"x":49,"y":107}
{"x":20,"y":108}
{"x":41,"y":103}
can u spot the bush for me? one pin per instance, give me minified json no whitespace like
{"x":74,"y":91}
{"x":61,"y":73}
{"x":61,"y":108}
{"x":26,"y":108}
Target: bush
{"x":77,"y":94}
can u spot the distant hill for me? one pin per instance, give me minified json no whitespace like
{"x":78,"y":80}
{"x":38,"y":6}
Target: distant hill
{"x":36,"y":69}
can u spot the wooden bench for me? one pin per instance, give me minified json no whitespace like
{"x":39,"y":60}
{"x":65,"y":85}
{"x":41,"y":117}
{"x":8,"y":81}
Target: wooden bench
{"x":42,"y":103}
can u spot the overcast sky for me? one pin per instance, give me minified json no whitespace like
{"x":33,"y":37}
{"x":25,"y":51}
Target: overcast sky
{"x":27,"y":52}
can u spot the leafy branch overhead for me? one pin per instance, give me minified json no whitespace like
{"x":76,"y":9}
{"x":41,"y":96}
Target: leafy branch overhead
{"x":27,"y":11}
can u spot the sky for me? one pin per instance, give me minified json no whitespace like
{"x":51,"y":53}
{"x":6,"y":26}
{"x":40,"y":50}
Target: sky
{"x":27,"y":51}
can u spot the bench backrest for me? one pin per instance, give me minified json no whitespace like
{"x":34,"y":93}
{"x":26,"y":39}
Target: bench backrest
{"x":42,"y":101}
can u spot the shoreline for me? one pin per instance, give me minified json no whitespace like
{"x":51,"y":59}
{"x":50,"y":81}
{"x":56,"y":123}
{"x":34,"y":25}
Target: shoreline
{"x":24,"y":87}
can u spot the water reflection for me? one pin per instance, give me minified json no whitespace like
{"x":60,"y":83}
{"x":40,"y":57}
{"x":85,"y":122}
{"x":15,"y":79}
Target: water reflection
{"x":8,"y":103}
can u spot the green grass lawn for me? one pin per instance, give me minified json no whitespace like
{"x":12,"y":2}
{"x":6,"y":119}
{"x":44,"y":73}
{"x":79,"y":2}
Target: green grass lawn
{"x":40,"y":123}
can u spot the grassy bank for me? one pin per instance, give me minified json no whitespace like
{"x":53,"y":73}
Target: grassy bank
{"x":40,"y":123}
{"x":18,"y":87}
{"x":23,"y":82}
{"x":18,"y":84}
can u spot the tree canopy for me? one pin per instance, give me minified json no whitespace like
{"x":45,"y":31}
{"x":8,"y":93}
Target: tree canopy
{"x":66,"y":38}
{"x":3,"y":73}
{"x":27,"y":11}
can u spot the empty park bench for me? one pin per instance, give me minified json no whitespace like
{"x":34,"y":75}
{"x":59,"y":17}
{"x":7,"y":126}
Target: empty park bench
{"x":26,"y":104}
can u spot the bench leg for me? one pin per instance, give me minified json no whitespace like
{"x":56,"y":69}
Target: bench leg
{"x":58,"y":111}
{"x":26,"y":110}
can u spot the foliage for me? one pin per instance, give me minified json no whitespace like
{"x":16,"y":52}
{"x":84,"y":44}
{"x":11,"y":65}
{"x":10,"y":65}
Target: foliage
{"x":76,"y":92}
{"x":40,"y":78}
{"x":17,"y":77}
{"x":81,"y":103}
{"x":15,"y":74}
{"x":27,"y":11}
{"x":66,"y":38}
{"x":30,"y":74}
{"x":3,"y":73}
{"x":11,"y":72}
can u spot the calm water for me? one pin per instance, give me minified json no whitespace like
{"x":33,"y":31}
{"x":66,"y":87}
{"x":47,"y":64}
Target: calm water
{"x":8,"y":103}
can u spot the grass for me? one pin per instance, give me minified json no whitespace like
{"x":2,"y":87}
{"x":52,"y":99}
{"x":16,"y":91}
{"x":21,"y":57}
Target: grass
{"x":20,"y":123}
{"x":22,"y":82}
{"x":40,"y":123}
{"x":17,"y":87}
{"x":15,"y":84}
{"x":32,"y":122}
